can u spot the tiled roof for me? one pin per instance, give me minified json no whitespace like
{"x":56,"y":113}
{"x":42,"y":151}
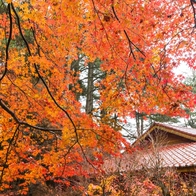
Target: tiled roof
{"x":178,"y":155}
{"x":173,"y":156}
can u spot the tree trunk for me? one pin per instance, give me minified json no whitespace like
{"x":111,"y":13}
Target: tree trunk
{"x":139,"y":123}
{"x":89,"y":99}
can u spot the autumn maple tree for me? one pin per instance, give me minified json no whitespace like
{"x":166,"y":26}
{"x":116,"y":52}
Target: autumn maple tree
{"x":44,"y":133}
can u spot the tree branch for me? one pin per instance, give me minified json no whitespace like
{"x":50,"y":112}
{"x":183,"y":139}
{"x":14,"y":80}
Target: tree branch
{"x":20,"y":29}
{"x":127,"y":36}
{"x":40,"y":76}
{"x":8,"y":44}
{"x":194,"y":12}
{"x":9,"y":111}
{"x":8,"y":152}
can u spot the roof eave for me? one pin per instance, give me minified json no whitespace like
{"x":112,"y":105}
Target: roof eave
{"x":167,"y":129}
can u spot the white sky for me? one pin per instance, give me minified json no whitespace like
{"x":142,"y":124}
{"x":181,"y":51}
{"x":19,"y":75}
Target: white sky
{"x":183,"y":69}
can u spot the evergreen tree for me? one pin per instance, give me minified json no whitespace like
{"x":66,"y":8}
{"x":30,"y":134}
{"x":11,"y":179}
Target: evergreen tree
{"x":191,"y":81}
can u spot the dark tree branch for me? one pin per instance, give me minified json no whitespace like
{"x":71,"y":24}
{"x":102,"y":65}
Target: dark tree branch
{"x":86,"y":158}
{"x":194,"y":12}
{"x":50,"y":94}
{"x":65,"y":155}
{"x":131,"y":43}
{"x":43,"y":81}
{"x":115,"y":13}
{"x":9,"y":111}
{"x":103,"y":138}
{"x":8,"y":43}
{"x":127,"y":36}
{"x":8,"y":152}
{"x":20,"y":29}
{"x":38,"y":46}
{"x":107,"y":36}
{"x":57,"y":104}
{"x":18,"y":87}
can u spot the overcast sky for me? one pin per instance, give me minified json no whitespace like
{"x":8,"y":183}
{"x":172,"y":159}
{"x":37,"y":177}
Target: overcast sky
{"x":183,"y":69}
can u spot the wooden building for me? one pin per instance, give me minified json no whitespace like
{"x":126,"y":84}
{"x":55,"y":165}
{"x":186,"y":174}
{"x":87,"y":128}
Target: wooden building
{"x":162,"y":146}
{"x":169,"y":146}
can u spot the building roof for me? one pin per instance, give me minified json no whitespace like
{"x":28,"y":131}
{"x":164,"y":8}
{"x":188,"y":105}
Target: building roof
{"x":174,"y":156}
{"x":188,"y":133}
{"x":178,"y":155}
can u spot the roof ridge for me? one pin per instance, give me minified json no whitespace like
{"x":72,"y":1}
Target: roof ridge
{"x":189,"y":133}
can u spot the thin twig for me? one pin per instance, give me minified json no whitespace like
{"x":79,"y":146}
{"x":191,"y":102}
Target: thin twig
{"x":127,"y":36}
{"x":194,"y":12}
{"x":65,"y":155}
{"x":8,"y":152}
